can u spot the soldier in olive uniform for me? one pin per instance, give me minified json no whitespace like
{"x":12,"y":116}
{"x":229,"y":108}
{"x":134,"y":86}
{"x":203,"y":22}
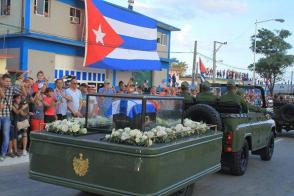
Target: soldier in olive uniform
{"x":232,"y":97}
{"x":206,"y":96}
{"x":188,"y":98}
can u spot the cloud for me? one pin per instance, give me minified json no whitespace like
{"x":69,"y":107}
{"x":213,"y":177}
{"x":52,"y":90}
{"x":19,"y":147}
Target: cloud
{"x":187,"y":8}
{"x":223,"y":6}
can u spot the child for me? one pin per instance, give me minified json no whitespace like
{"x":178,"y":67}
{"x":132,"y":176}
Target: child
{"x":37,"y":113}
{"x":20,"y":112}
{"x":50,"y":106}
{"x":41,"y":83}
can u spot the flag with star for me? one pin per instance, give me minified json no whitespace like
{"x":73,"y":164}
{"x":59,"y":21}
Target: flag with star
{"x":119,"y":39}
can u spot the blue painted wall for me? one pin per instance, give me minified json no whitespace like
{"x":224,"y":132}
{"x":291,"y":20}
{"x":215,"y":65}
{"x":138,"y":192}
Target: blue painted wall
{"x":27,"y":19}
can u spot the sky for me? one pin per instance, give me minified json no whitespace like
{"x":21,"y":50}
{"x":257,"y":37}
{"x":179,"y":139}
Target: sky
{"x":206,"y":21}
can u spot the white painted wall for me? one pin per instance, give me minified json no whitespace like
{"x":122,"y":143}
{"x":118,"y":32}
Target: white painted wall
{"x":158,"y":76}
{"x":123,"y":76}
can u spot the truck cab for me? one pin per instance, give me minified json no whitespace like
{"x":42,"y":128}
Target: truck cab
{"x":244,"y":130}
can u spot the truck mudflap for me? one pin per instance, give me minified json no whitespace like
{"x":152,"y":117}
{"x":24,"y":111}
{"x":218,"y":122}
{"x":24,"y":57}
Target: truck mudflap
{"x":113,"y":169}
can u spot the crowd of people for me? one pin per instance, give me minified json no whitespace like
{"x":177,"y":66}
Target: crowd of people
{"x":228,"y":74}
{"x":26,"y":105}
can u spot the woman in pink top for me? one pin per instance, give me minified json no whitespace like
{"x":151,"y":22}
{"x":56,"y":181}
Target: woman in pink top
{"x":50,"y":106}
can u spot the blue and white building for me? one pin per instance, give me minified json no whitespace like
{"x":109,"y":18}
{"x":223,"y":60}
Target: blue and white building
{"x":49,"y":35}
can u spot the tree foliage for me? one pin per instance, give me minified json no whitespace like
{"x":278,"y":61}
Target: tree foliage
{"x":181,"y":65}
{"x":275,"y":60}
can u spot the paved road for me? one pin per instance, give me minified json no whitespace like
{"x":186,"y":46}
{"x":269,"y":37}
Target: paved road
{"x":274,"y":178}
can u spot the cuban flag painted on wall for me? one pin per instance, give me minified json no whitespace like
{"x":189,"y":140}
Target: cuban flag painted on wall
{"x":119,"y":39}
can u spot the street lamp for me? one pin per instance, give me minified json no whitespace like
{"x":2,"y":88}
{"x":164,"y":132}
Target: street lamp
{"x":254,"y":63}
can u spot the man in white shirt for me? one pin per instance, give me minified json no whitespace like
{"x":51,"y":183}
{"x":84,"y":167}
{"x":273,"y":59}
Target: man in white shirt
{"x":75,"y":105}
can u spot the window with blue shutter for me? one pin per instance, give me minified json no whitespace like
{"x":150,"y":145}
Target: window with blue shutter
{"x":78,"y":75}
{"x":84,"y":77}
{"x":89,"y":76}
{"x":94,"y":76}
{"x":55,"y":73}
{"x":60,"y":73}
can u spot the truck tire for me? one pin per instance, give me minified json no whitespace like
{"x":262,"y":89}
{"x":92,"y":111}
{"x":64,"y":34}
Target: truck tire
{"x":187,"y":191}
{"x":267,"y":152}
{"x":286,"y":113}
{"x":204,"y":113}
{"x":240,"y":160}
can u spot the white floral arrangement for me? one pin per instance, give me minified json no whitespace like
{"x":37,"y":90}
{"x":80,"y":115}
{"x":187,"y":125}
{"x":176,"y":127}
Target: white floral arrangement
{"x":75,"y":126}
{"x":158,"y":134}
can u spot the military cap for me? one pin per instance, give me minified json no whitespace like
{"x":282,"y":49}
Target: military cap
{"x":185,"y":85}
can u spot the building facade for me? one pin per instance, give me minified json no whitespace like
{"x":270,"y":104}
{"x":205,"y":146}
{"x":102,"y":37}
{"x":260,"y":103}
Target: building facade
{"x":48,"y":35}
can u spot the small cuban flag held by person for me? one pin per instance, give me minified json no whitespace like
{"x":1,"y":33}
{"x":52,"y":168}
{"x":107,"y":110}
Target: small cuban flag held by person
{"x":202,"y":71}
{"x":119,"y":39}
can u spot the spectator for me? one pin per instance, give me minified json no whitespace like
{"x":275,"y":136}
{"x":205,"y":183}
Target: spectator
{"x":41,"y":83}
{"x":132,"y":89}
{"x":153,"y":91}
{"x":84,"y":91}
{"x":173,"y":91}
{"x":145,"y":86}
{"x":131,"y":82}
{"x":37,"y":113}
{"x":20,"y":112}
{"x":174,"y":80}
{"x":93,"y":108}
{"x":106,"y":102}
{"x":139,"y":89}
{"x":7,"y":91}
{"x":74,"y":106}
{"x":121,"y":87}
{"x":50,"y":106}
{"x":62,"y":99}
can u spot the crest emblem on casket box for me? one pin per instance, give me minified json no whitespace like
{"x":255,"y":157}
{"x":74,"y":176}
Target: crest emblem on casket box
{"x":80,"y":165}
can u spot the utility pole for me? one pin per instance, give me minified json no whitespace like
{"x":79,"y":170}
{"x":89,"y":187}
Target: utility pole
{"x":291,"y":82}
{"x":215,"y":50}
{"x":194,"y":64}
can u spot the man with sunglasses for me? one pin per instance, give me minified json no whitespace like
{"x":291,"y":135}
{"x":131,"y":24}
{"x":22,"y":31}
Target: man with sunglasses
{"x":74,"y":106}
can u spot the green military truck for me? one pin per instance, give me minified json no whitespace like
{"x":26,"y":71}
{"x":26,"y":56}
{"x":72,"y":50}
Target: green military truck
{"x":171,"y":165}
{"x":251,"y":130}
{"x":284,"y":112}
{"x":91,"y":163}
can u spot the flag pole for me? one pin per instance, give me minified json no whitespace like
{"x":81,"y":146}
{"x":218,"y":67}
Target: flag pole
{"x":194,"y":63}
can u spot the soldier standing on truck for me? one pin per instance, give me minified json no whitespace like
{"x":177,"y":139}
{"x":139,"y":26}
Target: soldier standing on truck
{"x":206,"y":95}
{"x":188,"y":98}
{"x":232,"y":97}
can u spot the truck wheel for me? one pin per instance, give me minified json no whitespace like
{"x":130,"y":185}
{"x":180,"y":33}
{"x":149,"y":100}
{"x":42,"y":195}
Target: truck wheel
{"x":240,"y":160}
{"x":267,"y":152}
{"x":187,"y":191}
{"x":204,"y":113}
{"x":287,"y":113}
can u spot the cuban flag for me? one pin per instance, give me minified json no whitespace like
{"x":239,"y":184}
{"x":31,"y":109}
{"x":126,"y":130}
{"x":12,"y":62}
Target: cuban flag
{"x":119,"y":39}
{"x":202,"y":70}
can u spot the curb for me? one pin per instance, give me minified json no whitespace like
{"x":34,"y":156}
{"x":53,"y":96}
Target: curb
{"x":14,"y":161}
